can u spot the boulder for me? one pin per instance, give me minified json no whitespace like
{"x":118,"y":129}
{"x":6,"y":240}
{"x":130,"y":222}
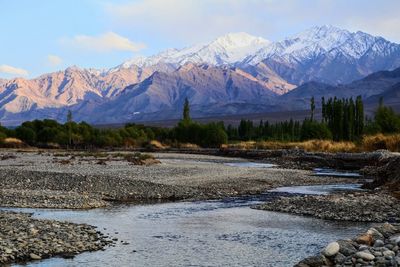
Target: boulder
{"x":365,"y":239}
{"x":346,"y":247}
{"x":331,"y":249}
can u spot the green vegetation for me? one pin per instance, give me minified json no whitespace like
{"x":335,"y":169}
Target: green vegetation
{"x":342,"y":120}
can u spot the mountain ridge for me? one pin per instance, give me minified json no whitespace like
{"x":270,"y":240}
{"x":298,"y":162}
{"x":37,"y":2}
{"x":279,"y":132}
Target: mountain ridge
{"x":262,"y":75}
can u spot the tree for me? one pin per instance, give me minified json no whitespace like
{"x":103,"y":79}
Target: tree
{"x":323,"y":105}
{"x":359,"y":117}
{"x":386,"y":119}
{"x":214,"y":135}
{"x":315,"y":130}
{"x":26,"y":134}
{"x":186,"y":111}
{"x":312,"y":104}
{"x":69,"y":125}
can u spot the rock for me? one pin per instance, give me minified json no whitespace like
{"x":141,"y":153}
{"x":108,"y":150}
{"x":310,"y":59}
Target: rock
{"x":331,"y":249}
{"x":365,"y":256}
{"x":387,"y":230}
{"x":346,"y":247}
{"x":339,"y":258}
{"x":395,"y":239}
{"x":315,"y":261}
{"x":33,"y":256}
{"x":21,"y":234}
{"x":379,"y":243}
{"x":365,"y":239}
{"x":389,"y":253}
{"x":375,"y":234}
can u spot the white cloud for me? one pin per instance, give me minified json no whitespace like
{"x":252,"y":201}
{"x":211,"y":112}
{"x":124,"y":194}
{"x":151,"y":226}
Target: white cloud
{"x":54,"y":60}
{"x":106,"y":42}
{"x":188,"y":20}
{"x":202,"y":20}
{"x":7,"y":69}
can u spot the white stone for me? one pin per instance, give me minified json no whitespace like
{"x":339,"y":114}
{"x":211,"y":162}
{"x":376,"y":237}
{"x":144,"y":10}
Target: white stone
{"x":331,"y":249}
{"x":365,"y":256}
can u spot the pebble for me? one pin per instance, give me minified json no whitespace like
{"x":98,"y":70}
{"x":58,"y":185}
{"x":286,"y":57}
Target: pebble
{"x":23,"y":238}
{"x":365,"y":255}
{"x":379,"y":243}
{"x":331,"y":250}
{"x":33,"y":256}
{"x":382,"y":252}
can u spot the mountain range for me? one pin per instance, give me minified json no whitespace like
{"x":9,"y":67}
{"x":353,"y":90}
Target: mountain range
{"x":235,"y":74}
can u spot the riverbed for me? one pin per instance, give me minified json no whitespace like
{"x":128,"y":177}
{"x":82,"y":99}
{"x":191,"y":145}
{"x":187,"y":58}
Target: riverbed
{"x":203,"y":233}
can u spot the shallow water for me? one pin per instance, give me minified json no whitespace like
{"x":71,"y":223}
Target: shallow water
{"x":335,"y":173}
{"x":204,"y":233}
{"x":250,"y":164}
{"x":319,"y":189}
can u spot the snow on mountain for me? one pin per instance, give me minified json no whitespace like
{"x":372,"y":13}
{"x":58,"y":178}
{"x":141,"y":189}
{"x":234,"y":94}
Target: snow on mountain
{"x":228,"y":49}
{"x":328,"y":54}
{"x":322,"y":40}
{"x":236,"y":69}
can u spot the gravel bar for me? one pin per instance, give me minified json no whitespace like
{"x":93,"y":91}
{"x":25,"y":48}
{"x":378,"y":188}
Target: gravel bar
{"x":23,"y":238}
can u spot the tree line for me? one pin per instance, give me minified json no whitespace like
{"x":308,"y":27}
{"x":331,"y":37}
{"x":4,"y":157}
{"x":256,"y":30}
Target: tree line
{"x":342,"y":119}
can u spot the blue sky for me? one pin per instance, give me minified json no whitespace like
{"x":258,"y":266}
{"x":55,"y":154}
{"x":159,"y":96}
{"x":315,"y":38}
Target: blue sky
{"x":48,"y":35}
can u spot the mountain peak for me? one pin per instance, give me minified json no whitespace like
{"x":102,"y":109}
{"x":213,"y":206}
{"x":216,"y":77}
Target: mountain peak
{"x":238,"y":40}
{"x":327,"y":33}
{"x":227,"y":49}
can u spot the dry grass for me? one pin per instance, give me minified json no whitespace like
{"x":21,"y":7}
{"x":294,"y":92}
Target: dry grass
{"x":312,"y":145}
{"x":187,"y":146}
{"x":12,"y":140}
{"x":369,"y":143}
{"x":12,"y":143}
{"x":157,"y":144}
{"x":380,"y":141}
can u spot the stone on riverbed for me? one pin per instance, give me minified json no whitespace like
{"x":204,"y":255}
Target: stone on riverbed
{"x":365,"y":256}
{"x":378,"y":252}
{"x":23,"y":238}
{"x":331,"y":249}
{"x":33,"y":256}
{"x":360,"y":206}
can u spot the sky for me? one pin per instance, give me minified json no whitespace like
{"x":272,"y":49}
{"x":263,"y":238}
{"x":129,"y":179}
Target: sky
{"x":43,"y":36}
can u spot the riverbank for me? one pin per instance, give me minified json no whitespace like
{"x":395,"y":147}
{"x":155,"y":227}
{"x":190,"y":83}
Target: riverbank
{"x":378,"y":206}
{"x":23,"y":238}
{"x":378,"y":246}
{"x":80,"y":180}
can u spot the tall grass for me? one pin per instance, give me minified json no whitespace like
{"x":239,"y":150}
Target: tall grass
{"x":380,"y":141}
{"x":311,"y":145}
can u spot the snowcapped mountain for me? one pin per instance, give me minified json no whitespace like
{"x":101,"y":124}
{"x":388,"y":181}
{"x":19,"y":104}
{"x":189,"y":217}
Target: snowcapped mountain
{"x":328,"y":54}
{"x":235,"y":73}
{"x":225,"y":50}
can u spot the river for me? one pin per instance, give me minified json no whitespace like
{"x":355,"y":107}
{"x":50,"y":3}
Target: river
{"x":203,"y":233}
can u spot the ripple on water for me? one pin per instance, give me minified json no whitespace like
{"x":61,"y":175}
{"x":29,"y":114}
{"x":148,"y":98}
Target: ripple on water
{"x":203,"y":233}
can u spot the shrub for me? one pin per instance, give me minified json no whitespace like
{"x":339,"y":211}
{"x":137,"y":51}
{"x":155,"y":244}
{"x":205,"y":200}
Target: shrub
{"x":315,"y":130}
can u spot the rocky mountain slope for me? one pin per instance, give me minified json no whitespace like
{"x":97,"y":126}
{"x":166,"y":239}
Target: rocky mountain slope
{"x":380,"y":84}
{"x":328,"y":54}
{"x":236,"y":73}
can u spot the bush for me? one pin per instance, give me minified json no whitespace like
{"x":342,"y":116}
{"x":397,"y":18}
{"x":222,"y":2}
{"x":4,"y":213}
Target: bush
{"x":26,"y":134}
{"x":315,"y":130}
{"x":387,"y":120}
{"x":213,"y":135}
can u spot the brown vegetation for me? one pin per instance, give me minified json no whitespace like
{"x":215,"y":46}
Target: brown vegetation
{"x":12,"y":143}
{"x":380,"y":141}
{"x":312,"y":145}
